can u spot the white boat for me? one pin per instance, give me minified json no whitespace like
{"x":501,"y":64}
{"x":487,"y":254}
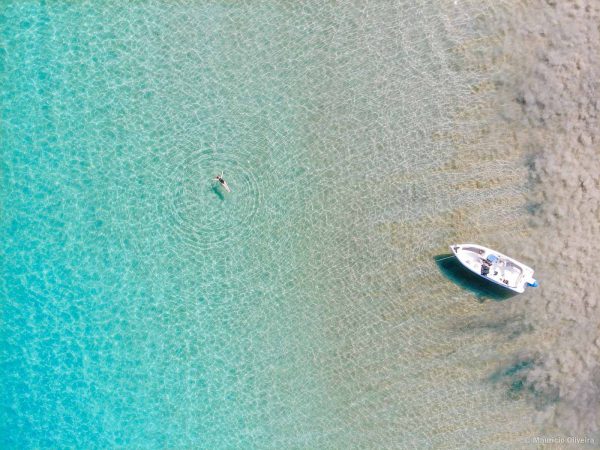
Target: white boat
{"x":494,"y":266}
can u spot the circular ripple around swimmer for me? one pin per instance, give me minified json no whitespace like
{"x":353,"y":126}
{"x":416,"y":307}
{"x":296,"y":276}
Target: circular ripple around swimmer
{"x":200,"y":212}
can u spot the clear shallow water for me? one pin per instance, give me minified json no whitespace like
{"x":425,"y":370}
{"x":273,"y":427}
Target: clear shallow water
{"x":143,"y":307}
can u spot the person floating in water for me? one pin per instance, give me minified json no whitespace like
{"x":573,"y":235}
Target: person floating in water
{"x":221,"y":180}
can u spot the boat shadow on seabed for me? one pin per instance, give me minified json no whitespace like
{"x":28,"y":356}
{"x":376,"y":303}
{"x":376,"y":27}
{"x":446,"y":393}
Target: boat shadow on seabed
{"x":452,"y":269}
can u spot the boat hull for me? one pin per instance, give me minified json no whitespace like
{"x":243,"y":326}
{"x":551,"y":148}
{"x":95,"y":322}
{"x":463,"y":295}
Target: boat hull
{"x":494,"y":266}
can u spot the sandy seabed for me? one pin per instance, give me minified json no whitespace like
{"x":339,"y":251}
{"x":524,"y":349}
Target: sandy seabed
{"x":551,"y":85}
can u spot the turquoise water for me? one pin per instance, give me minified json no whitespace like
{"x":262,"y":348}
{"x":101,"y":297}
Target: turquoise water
{"x":144,"y":307}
